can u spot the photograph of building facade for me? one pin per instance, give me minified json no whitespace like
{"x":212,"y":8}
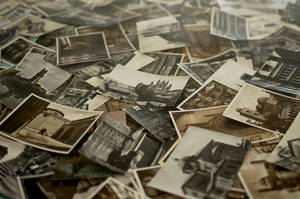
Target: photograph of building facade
{"x":49,"y":126}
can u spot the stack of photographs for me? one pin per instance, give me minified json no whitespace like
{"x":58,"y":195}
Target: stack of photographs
{"x":140,"y":99}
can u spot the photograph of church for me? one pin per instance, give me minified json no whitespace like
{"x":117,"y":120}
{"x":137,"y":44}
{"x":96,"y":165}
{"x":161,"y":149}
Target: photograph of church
{"x":48,"y":126}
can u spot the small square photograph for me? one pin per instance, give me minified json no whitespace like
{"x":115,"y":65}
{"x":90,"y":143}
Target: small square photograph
{"x":81,"y":48}
{"x":45,"y":125}
{"x":263,"y":109}
{"x":287,"y":152}
{"x":204,"y":165}
{"x":160,"y":34}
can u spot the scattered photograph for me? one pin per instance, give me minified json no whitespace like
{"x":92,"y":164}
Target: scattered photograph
{"x":113,"y":105}
{"x":201,"y":44}
{"x":263,"y":109}
{"x":200,"y":71}
{"x":228,"y":25}
{"x":259,"y":27}
{"x":212,"y":119}
{"x":46,"y":125}
{"x":291,"y":14}
{"x":118,"y":147}
{"x":286,"y":153}
{"x":35,"y":26}
{"x":211,"y":95}
{"x":116,"y":40}
{"x":16,"y":50}
{"x":196,"y":15}
{"x":111,"y":188}
{"x":163,"y":64}
{"x":156,"y":122}
{"x":139,"y":60}
{"x":278,"y":74}
{"x":81,"y":48}
{"x":143,"y":88}
{"x":160,"y":34}
{"x":8,"y":35}
{"x":204,"y":165}
{"x":52,"y":7}
{"x":265,"y":180}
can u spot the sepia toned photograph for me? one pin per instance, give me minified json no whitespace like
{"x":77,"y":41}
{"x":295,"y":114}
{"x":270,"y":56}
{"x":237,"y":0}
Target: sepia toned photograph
{"x":142,"y":88}
{"x":204,"y":165}
{"x":160,"y":34}
{"x":286,"y":154}
{"x":116,"y":40}
{"x":196,"y":15}
{"x":228,"y":25}
{"x":291,"y":14}
{"x":111,"y":188}
{"x":118,"y":147}
{"x":163,"y":64}
{"x":265,"y":180}
{"x":202,"y":45}
{"x":52,"y":7}
{"x":200,"y":71}
{"x":158,"y":123}
{"x":210,"y":95}
{"x":212,"y":119}
{"x":81,"y":48}
{"x":47,"y":126}
{"x":16,"y":50}
{"x":34,"y":26}
{"x":263,"y":109}
{"x":139,"y":60}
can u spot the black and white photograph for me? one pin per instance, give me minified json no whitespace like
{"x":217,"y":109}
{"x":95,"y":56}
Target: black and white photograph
{"x":203,"y":165}
{"x":263,"y":109}
{"x":287,"y":152}
{"x":97,"y":17}
{"x":202,"y":45}
{"x":139,"y":60}
{"x":196,"y":15}
{"x":212,"y":119}
{"x":47,"y":126}
{"x":202,"y":70}
{"x":52,"y":7}
{"x":34,"y":74}
{"x":279,"y":74}
{"x":11,"y":12}
{"x":228,"y":25}
{"x":34,"y":26}
{"x":118,"y":147}
{"x":116,"y":39}
{"x":8,"y":35}
{"x":16,"y":50}
{"x":291,"y":14}
{"x":163,"y":64}
{"x":142,"y":88}
{"x":158,"y":123}
{"x":160,"y":34}
{"x":81,"y":48}
{"x":212,"y":94}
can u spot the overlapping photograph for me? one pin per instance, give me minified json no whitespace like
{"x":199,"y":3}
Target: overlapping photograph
{"x":81,"y":48}
{"x":160,"y":34}
{"x":212,"y":119}
{"x":46,"y":125}
{"x":263,"y":109}
{"x":142,"y":88}
{"x":203,"y":165}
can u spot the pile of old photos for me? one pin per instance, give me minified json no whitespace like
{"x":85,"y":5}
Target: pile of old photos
{"x":140,"y":99}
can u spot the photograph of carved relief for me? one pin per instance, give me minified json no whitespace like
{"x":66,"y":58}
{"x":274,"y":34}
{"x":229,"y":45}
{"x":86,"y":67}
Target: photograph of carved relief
{"x":142,"y":88}
{"x":160,"y":34}
{"x":210,"y":95}
{"x":201,"y":44}
{"x":287,"y":152}
{"x":212,"y":119}
{"x":118,"y":147}
{"x":47,"y":126}
{"x":81,"y":48}
{"x":204,"y":165}
{"x":35,"y":26}
{"x":263,"y":109}
{"x":265,"y":180}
